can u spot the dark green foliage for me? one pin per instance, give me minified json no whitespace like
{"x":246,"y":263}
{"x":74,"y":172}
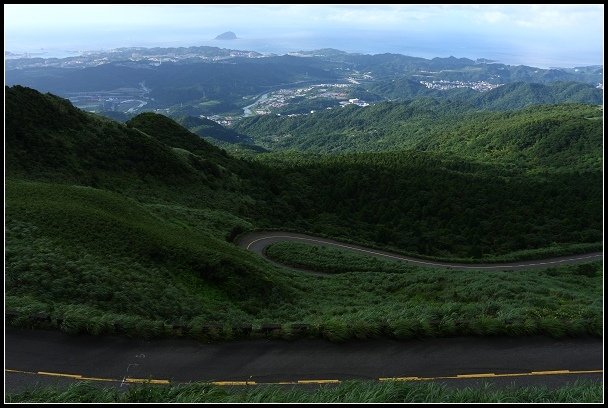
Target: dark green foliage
{"x":122,"y":229}
{"x":91,"y":248}
{"x":520,"y":95}
{"x":346,"y":392}
{"x":551,"y":136}
{"x":430,"y":205}
{"x":516,"y":95}
{"x":323,"y":259}
{"x":417,"y":302}
{"x":48,"y":138}
{"x":170,"y":133}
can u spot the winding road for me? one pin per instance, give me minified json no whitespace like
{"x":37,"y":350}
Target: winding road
{"x":258,"y":241}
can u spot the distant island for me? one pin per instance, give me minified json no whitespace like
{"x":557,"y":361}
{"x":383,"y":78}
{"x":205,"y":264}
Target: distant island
{"x":228,"y":35}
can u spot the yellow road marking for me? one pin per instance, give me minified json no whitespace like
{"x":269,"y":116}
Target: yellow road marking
{"x":223,"y":383}
{"x":59,"y":374}
{"x":145,"y":381}
{"x":98,"y":379}
{"x":445,"y":265}
{"x":241,"y":383}
{"x":19,"y":371}
{"x":491,"y":375}
{"x":476,"y":375}
{"x":400,"y":379}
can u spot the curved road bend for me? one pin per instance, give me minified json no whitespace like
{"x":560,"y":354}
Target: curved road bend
{"x":260,"y":240}
{"x":43,"y":357}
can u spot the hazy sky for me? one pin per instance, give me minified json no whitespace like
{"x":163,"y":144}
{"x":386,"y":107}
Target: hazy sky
{"x":566,"y":34}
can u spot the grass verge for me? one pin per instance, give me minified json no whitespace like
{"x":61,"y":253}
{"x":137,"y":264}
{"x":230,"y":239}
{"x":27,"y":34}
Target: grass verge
{"x":349,"y":391}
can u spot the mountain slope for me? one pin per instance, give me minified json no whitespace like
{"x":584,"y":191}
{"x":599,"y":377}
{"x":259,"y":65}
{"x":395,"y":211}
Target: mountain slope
{"x":126,"y":229}
{"x":510,"y":96}
{"x":48,"y":138}
{"x":520,"y":95}
{"x":552,"y":136}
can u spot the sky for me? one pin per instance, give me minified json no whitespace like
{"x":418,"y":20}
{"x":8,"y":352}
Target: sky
{"x":539,"y":35}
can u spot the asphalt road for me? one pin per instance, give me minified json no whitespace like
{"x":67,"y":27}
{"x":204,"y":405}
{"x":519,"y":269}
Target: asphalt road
{"x":43,"y":357}
{"x":259,"y":240}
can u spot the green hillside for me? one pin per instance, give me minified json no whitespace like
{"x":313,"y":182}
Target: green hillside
{"x":126,"y":228}
{"x":80,"y":247}
{"x":439,"y":206}
{"x":47,"y":138}
{"x":170,"y":133}
{"x":536,"y":136}
{"x":510,"y":96}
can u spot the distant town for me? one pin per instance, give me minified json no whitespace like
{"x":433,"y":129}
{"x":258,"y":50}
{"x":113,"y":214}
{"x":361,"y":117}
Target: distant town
{"x":444,"y":85}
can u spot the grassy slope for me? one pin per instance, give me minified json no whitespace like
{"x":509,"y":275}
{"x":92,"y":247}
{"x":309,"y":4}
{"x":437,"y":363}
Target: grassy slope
{"x":347,"y":392}
{"x":367,"y":292}
{"x":94,"y":258}
{"x":73,"y":249}
{"x":144,"y":245}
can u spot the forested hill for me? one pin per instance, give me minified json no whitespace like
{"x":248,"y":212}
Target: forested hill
{"x":552,"y":135}
{"x":510,"y":96}
{"x":486,"y":163}
{"x":522,"y":94}
{"x":126,"y":229}
{"x":48,"y":138}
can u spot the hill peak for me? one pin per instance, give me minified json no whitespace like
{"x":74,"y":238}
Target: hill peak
{"x":228,"y":35}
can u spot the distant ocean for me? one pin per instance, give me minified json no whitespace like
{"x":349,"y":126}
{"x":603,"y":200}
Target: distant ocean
{"x":425,"y":46}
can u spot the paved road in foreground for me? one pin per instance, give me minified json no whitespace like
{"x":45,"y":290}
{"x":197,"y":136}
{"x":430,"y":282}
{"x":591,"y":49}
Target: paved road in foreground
{"x":37,"y":356}
{"x":258,"y":241}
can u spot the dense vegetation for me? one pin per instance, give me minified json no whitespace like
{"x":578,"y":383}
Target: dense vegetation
{"x":500,"y":302}
{"x":94,"y":259}
{"x":128,"y":224}
{"x":551,"y":136}
{"x":510,"y":96}
{"x":346,"y":392}
{"x":432,"y":205}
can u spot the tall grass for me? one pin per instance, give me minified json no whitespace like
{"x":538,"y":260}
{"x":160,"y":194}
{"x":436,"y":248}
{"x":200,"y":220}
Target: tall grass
{"x":349,"y":391}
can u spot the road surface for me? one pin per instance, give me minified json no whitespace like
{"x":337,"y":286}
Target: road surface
{"x":258,"y":241}
{"x":39,"y":356}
